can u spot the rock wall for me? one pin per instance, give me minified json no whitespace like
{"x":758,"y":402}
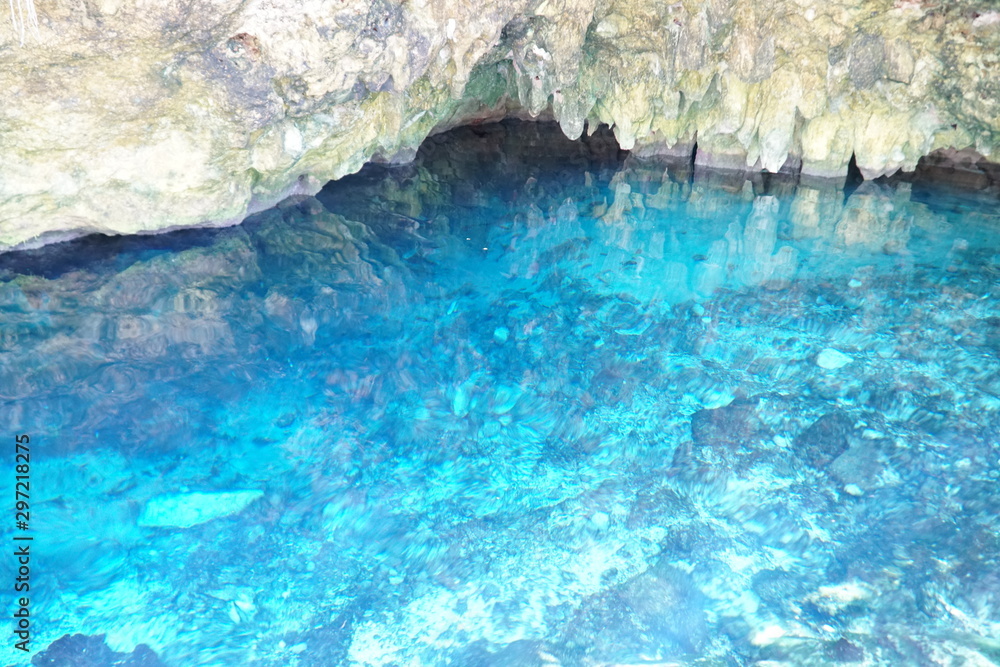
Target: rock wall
{"x":131,"y":117}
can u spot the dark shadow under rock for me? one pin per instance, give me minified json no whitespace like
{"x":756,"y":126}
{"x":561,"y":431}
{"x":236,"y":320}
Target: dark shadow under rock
{"x":844,"y":651}
{"x":963,"y":169}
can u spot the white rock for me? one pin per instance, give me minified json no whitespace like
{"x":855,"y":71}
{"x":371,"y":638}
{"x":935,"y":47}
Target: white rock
{"x":183,"y":510}
{"x":768,"y":635}
{"x":293,"y":141}
{"x":832,"y":359}
{"x":838,"y":596}
{"x":986,"y":19}
{"x":461,"y":400}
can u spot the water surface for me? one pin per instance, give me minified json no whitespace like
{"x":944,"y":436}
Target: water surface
{"x":522,"y":402}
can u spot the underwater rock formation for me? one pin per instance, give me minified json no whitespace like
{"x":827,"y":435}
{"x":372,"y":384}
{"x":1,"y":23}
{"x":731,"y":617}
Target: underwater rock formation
{"x":86,"y":651}
{"x":122,"y":118}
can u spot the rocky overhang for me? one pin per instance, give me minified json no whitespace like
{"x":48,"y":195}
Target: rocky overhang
{"x":123,"y":118}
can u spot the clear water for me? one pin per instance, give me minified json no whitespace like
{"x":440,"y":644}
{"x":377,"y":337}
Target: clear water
{"x":522,"y":402}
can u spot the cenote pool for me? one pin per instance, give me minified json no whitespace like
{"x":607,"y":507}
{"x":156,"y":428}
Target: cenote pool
{"x":523,"y":401}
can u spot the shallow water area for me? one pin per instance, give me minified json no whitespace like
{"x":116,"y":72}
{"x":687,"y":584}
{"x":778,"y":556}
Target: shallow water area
{"x":524,"y":401}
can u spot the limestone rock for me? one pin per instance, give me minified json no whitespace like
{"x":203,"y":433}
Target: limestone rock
{"x":122,"y":118}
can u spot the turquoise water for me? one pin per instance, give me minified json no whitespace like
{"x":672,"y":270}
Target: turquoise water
{"x":522,"y":402}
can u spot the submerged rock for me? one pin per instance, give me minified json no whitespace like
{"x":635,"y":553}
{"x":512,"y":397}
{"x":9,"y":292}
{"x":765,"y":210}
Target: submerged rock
{"x":831,"y":359}
{"x":189,"y":509}
{"x":776,"y":587}
{"x":844,"y":651}
{"x":659,"y":612}
{"x":825,"y":439}
{"x":91,"y":651}
{"x":860,"y":467}
{"x":733,"y":425}
{"x":520,"y":653}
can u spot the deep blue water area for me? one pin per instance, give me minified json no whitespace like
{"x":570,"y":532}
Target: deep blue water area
{"x":523,"y":401}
